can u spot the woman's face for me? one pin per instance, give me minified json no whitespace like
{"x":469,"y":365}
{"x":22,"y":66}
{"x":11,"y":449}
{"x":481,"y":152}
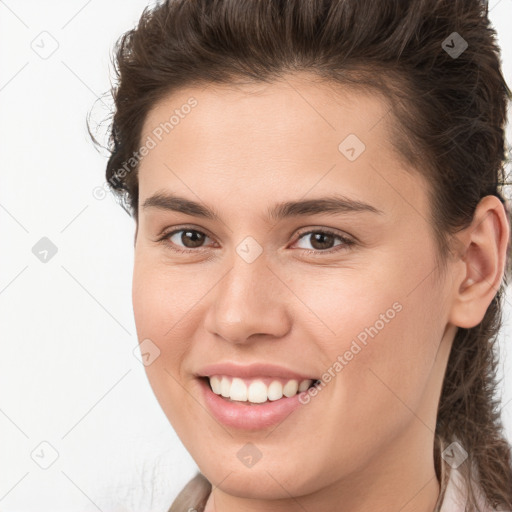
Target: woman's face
{"x":344,"y":292}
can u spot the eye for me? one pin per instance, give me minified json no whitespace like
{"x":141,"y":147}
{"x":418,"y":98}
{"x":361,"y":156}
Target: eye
{"x":190,"y":238}
{"x":322,"y":241}
{"x":187,"y":239}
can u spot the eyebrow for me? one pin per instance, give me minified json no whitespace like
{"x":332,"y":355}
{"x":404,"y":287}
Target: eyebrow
{"x":334,"y":204}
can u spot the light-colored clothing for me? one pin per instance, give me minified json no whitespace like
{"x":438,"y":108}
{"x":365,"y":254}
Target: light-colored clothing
{"x":454,"y":498}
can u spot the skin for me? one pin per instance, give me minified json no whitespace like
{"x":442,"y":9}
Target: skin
{"x":365,"y":442}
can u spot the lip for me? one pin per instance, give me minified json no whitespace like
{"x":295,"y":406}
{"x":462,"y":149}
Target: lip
{"x":246,"y":416}
{"x":252,"y":371}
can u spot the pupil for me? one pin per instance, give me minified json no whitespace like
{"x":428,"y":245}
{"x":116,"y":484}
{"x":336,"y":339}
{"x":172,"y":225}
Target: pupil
{"x":324,"y":245}
{"x":194,"y":235}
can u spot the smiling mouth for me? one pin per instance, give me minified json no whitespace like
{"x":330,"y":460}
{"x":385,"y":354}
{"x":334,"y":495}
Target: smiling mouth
{"x":257,"y":390}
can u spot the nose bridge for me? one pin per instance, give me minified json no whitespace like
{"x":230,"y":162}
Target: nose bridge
{"x":246,"y":300}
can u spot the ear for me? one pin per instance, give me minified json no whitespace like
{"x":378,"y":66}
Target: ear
{"x":484,"y":249}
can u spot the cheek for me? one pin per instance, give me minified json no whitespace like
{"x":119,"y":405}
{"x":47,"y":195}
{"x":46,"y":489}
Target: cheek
{"x":158,"y":314}
{"x":379,"y":334}
{"x":387,"y":363}
{"x":159,"y":308}
{"x":163,"y":297}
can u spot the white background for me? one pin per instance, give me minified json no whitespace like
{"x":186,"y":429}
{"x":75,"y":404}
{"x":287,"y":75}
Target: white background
{"x":68,"y":375}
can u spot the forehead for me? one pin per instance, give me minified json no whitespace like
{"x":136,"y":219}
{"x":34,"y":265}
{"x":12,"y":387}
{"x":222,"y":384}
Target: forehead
{"x":298,"y":108}
{"x":296,"y":136}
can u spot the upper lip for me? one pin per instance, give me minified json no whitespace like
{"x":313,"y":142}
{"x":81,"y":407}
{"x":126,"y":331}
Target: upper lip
{"x":251,"y":371}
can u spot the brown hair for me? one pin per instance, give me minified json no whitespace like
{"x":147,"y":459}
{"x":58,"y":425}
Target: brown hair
{"x":448,"y":104}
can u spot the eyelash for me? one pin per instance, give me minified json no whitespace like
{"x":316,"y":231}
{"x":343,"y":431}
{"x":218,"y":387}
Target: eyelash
{"x":345,"y":245}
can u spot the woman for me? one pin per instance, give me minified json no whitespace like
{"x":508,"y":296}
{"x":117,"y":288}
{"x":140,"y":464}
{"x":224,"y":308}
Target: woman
{"x":321,"y":248}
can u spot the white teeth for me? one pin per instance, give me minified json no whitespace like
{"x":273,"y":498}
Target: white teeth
{"x":275,"y":390}
{"x":225,"y":387}
{"x":290,"y":388}
{"x":257,"y":392}
{"x":304,"y":385}
{"x":238,"y":390}
{"x":216,"y":386}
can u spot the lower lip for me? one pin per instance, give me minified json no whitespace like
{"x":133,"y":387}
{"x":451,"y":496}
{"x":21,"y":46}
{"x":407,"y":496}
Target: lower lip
{"x":243,"y":415}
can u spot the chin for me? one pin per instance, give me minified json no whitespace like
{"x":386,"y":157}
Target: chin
{"x":256,"y":484}
{"x":265,"y":480}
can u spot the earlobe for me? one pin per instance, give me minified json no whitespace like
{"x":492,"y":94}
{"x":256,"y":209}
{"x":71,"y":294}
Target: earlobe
{"x":483,"y":261}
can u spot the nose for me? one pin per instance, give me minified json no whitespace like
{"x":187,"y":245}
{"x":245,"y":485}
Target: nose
{"x":249,"y":302}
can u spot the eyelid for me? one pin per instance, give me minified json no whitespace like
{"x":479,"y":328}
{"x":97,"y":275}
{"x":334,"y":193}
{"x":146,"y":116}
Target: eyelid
{"x":324,"y":229}
{"x":165,"y":235}
{"x":170,"y":231}
{"x":347,"y":240}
